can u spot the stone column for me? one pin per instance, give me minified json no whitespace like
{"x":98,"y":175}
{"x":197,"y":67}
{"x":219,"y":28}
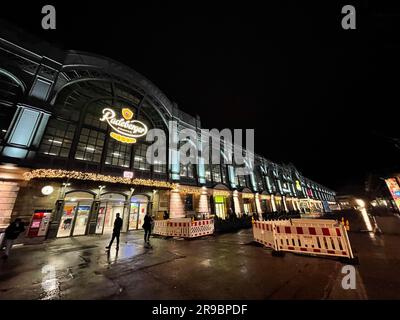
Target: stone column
{"x":176,"y":206}
{"x":203,"y":202}
{"x":258,"y":204}
{"x":236,"y":204}
{"x":284,"y":203}
{"x":273,"y":203}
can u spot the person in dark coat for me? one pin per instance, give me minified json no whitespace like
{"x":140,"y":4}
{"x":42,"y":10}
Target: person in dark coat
{"x":116,"y":231}
{"x":12,"y":232}
{"x":166,"y":215}
{"x":147,"y":225}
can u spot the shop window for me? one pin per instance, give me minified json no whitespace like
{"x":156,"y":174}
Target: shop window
{"x":118,"y":154}
{"x":139,"y":159}
{"x":57,"y":139}
{"x":90,"y":146}
{"x":220,"y":207}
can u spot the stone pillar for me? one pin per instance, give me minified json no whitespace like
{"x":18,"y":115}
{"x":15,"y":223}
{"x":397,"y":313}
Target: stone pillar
{"x":258,"y":205}
{"x":236,"y":204}
{"x":284,"y":203}
{"x":176,"y":206}
{"x":273,"y":203}
{"x":203,"y":202}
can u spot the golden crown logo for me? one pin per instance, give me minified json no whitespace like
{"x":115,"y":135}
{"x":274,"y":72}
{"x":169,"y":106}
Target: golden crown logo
{"x":127,"y":114}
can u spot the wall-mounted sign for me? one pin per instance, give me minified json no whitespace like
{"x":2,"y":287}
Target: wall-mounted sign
{"x":47,"y":190}
{"x":128,"y":174}
{"x":125,"y":129}
{"x":394,"y":189}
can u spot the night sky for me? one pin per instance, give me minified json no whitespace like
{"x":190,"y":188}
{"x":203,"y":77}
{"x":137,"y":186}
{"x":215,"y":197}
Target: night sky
{"x":318,"y":96}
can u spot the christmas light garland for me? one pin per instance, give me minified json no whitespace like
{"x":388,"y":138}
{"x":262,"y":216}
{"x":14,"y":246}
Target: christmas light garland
{"x":65,"y":174}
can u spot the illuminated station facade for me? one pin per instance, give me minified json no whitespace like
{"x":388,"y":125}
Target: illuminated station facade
{"x":66,"y":172}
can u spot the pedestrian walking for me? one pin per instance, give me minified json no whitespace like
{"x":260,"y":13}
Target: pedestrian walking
{"x":147,"y":225}
{"x":116,"y":231}
{"x":12,"y":232}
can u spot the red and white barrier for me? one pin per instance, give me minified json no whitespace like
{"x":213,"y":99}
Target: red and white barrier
{"x":184,"y":228}
{"x":201,"y":228}
{"x":263,"y":232}
{"x":319,"y":237}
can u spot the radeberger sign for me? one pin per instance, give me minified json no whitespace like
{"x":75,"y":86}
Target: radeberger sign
{"x":125,"y":129}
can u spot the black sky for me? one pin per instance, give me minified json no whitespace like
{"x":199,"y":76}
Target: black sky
{"x":316,"y":95}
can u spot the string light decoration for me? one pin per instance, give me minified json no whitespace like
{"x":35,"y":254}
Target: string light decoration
{"x":221,"y":193}
{"x":189,"y":190}
{"x":247,"y":196}
{"x":65,"y":174}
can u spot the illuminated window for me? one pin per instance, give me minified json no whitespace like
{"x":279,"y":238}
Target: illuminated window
{"x":216,"y":172}
{"x":93,"y":112}
{"x":187,"y":170}
{"x":57,"y":139}
{"x":118,"y":154}
{"x":207,"y":172}
{"x":139,"y":159}
{"x":90,"y":146}
{"x":224,"y":174}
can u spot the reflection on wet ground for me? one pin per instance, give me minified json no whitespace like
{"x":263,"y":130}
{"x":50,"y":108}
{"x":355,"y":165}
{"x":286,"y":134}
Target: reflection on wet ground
{"x":227,"y":266}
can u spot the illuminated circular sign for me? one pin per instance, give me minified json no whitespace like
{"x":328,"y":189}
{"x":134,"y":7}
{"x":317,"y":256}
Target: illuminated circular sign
{"x":47,"y":190}
{"x":125,"y":129}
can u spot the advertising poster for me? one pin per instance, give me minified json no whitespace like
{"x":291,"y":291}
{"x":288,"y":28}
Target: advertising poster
{"x":394,"y":189}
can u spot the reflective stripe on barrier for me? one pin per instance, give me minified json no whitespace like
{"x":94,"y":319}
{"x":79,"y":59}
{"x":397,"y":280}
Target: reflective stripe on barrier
{"x":320,"y":238}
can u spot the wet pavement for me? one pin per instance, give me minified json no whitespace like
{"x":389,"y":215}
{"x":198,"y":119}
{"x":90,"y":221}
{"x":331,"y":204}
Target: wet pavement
{"x":227,"y":266}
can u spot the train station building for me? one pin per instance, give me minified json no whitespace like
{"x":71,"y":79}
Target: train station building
{"x":67,"y":172}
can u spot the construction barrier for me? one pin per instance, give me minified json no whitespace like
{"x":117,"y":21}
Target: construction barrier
{"x":317,"y":237}
{"x":263,"y":232}
{"x":185,"y":228}
{"x":201,"y":228}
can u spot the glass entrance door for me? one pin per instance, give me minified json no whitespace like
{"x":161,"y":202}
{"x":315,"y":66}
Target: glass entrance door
{"x":81,"y":219}
{"x":100,"y":219}
{"x":137,"y":214}
{"x":220,"y":208}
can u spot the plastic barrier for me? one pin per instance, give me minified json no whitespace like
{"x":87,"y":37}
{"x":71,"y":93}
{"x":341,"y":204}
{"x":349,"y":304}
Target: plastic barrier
{"x":201,"y":228}
{"x":160,"y":227}
{"x":184,"y":228}
{"x":179,"y":228}
{"x":332,"y":241}
{"x":318,"y":237}
{"x":263,"y":232}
